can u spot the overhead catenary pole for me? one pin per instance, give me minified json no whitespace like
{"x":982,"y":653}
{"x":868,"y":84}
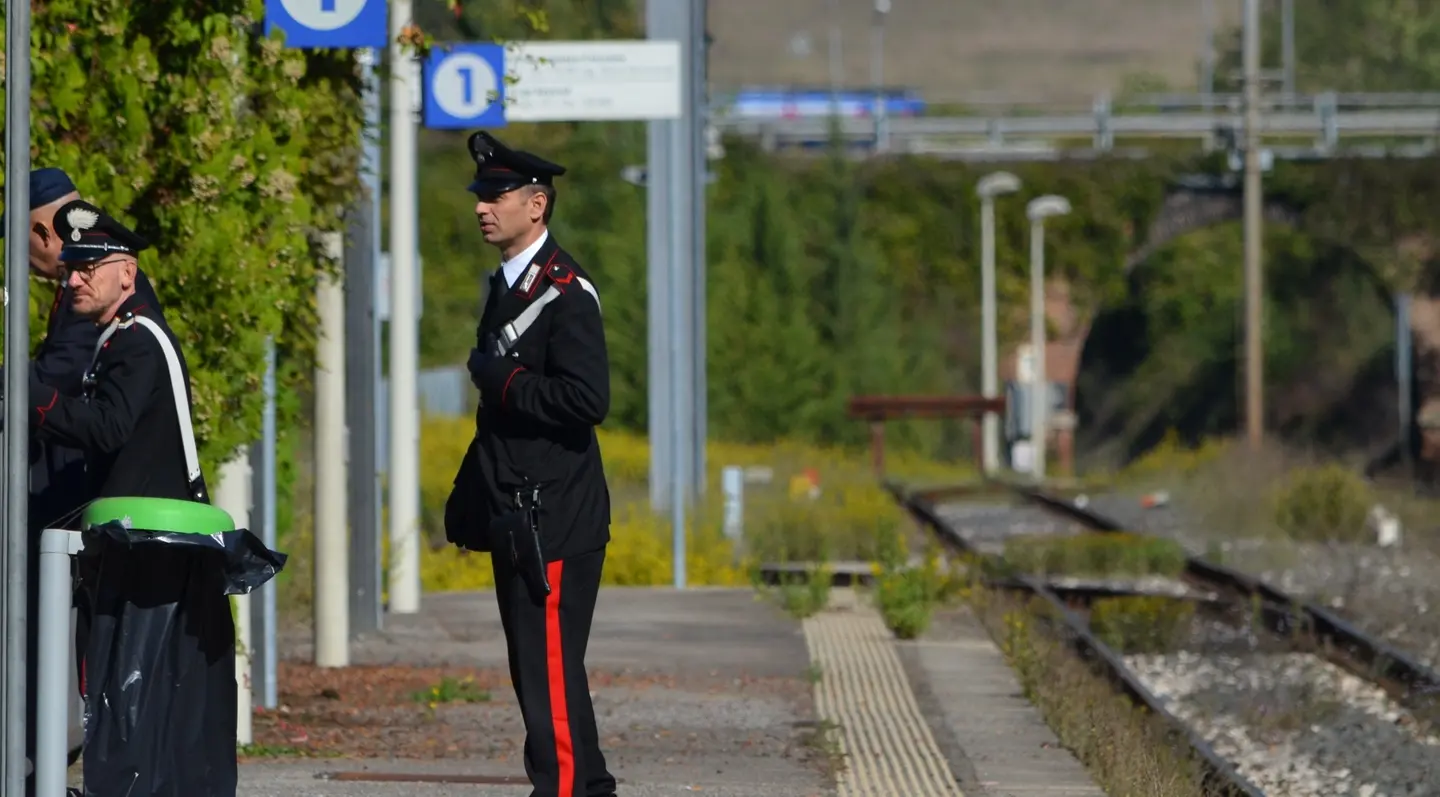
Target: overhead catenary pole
{"x":989,"y":187}
{"x":1207,"y":58}
{"x":1254,"y":284}
{"x":670,"y":249}
{"x":837,"y":72}
{"x":17,"y":390}
{"x":877,"y":73}
{"x":699,"y":165}
{"x":1287,"y":45}
{"x":403,"y":471}
{"x":332,"y":566}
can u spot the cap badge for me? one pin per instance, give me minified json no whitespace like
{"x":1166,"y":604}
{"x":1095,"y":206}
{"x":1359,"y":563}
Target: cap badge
{"x":80,"y":219}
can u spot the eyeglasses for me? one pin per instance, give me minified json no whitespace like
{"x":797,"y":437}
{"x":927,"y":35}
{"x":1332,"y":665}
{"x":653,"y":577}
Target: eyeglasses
{"x":87,"y":270}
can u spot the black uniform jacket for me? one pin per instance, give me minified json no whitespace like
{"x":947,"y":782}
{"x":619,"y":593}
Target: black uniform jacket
{"x":538,"y":411}
{"x":126,"y":423}
{"x":58,"y":483}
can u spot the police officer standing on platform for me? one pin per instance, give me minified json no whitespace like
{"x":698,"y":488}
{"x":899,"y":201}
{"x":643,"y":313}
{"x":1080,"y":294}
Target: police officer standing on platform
{"x":532,"y":488}
{"x":58,"y":486}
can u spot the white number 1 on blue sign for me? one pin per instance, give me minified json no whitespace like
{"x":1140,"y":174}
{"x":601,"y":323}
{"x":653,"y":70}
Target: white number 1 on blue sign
{"x":464,"y":85}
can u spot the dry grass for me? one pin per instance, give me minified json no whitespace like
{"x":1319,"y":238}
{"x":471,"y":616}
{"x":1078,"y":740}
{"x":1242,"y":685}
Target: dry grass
{"x":1127,"y":751}
{"x":957,"y":49}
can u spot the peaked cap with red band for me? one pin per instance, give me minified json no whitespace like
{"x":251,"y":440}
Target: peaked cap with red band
{"x":88,"y":234}
{"x":499,"y":169}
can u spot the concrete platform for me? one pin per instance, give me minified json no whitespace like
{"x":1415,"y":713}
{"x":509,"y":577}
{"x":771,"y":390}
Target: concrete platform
{"x":995,"y":740}
{"x":702,"y":690}
{"x":715,"y":691}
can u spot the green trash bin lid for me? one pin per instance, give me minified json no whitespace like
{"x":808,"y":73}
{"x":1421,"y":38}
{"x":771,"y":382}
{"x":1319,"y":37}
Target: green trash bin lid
{"x":159,"y":514}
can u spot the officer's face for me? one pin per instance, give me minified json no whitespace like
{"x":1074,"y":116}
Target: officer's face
{"x":44,"y":243}
{"x":97,"y":288}
{"x":509,"y":216}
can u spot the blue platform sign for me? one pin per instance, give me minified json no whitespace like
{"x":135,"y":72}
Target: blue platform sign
{"x":329,"y":23}
{"x":465,"y":86}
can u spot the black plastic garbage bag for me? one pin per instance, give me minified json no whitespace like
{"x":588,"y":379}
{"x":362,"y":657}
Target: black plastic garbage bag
{"x":159,"y":658}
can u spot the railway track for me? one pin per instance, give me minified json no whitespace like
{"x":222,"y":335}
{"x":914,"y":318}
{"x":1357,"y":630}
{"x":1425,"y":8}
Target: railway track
{"x":1277,"y":695}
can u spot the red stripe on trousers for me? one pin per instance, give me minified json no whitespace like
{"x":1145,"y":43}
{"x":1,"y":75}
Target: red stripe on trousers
{"x":555,"y":666}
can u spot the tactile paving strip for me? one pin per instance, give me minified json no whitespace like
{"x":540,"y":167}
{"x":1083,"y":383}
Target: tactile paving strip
{"x":888,"y":749}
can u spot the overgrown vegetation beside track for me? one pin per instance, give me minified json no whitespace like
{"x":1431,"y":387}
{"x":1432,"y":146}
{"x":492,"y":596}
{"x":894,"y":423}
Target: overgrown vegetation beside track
{"x":1127,"y":750}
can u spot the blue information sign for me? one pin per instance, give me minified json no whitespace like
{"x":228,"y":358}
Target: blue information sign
{"x":465,"y":86}
{"x":329,"y":23}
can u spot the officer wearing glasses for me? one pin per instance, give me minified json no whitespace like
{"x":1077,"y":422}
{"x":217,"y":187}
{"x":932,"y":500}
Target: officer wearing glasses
{"x":126,"y":420}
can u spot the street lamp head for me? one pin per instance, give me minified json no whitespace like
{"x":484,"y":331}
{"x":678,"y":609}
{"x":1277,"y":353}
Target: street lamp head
{"x":1046,"y":206}
{"x":997,"y":183}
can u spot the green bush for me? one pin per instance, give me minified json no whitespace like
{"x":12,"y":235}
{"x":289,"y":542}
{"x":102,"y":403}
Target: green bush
{"x":1326,"y":503}
{"x":907,"y":597}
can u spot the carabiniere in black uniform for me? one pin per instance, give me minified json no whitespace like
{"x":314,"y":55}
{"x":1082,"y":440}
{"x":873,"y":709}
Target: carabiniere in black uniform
{"x":126,"y":412}
{"x":533,"y":479}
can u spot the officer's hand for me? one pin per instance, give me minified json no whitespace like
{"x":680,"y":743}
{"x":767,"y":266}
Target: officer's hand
{"x":476,"y":365}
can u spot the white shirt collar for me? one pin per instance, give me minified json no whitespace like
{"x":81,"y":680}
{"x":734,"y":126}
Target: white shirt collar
{"x":515,"y":266}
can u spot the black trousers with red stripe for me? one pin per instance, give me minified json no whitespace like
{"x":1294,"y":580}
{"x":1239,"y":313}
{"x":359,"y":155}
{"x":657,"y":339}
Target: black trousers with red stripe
{"x":546,"y":644}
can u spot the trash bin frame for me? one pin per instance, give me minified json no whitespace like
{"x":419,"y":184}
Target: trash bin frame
{"x":52,"y":742}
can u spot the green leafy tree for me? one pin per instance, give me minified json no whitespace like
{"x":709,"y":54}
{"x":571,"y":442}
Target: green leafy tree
{"x":229,"y":153}
{"x":1349,"y":45}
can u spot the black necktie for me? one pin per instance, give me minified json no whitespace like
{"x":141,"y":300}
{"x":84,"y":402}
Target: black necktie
{"x":497,"y":288}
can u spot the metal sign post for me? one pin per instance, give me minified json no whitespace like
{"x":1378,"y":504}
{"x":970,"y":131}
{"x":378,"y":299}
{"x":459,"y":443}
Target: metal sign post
{"x":469,"y":85}
{"x":306,"y":24}
{"x":17,"y":387}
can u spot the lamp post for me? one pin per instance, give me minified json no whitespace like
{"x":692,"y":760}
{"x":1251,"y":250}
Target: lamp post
{"x":1038,"y":210}
{"x":989,"y":187}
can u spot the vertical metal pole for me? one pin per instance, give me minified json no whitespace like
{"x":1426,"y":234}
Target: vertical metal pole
{"x":1288,"y":49}
{"x":17,"y":388}
{"x":360,"y":359}
{"x":1038,"y":392}
{"x":659,"y":24}
{"x":1207,"y":59}
{"x":377,"y":378}
{"x":877,"y":73}
{"x":1254,"y":285}
{"x":54,"y":659}
{"x":404,"y":339}
{"x":269,"y":657}
{"x":1403,"y":377}
{"x":233,"y":495}
{"x":989,"y":377}
{"x":332,"y":568}
{"x":362,"y":365}
{"x":681,"y":250}
{"x":699,"y":54}
{"x":837,"y":75}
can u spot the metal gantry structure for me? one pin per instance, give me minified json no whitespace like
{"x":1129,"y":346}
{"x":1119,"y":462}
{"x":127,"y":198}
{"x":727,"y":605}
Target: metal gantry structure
{"x":1329,"y":121}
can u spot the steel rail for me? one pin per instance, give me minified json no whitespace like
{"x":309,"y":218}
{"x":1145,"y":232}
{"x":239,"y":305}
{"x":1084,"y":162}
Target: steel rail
{"x":1406,"y":678}
{"x":1219,"y":775}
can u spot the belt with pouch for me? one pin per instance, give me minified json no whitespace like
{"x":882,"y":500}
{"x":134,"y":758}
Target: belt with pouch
{"x":518,"y":531}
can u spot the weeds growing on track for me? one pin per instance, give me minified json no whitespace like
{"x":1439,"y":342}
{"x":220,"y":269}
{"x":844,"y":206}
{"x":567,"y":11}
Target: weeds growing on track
{"x":1128,"y":751}
{"x":1099,"y":555}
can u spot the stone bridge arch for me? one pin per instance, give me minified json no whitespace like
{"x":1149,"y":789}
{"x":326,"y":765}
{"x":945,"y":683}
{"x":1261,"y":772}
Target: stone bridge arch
{"x":1194,"y":203}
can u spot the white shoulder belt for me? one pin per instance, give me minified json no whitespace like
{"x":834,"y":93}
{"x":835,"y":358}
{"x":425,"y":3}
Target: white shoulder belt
{"x":177,"y":387}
